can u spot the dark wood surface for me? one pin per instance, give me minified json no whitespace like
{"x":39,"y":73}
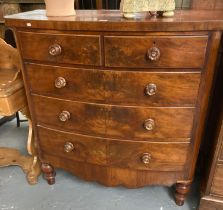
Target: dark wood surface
{"x":86,"y":148}
{"x":114,"y":121}
{"x":93,"y":20}
{"x":174,"y":127}
{"x":75,"y":49}
{"x":107,"y":152}
{"x":173,"y":88}
{"x":123,"y":51}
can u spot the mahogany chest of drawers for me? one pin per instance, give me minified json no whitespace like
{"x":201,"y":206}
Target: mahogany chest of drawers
{"x":121,"y":102}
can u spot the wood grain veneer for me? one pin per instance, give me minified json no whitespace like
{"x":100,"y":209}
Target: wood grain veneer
{"x":123,"y":51}
{"x":75,"y":49}
{"x":174,"y":88}
{"x":150,"y":114}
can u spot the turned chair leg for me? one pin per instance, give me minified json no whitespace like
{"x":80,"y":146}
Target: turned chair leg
{"x":49,"y":173}
{"x":181,"y":192}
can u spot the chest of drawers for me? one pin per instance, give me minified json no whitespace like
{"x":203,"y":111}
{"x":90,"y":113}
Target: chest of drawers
{"x":121,"y":102}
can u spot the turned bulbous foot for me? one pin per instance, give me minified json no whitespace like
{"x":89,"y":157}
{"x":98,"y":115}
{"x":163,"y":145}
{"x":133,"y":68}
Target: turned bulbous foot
{"x":48,"y":173}
{"x":181,"y":192}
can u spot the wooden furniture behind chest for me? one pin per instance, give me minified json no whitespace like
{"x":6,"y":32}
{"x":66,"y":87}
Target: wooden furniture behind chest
{"x":8,"y":7}
{"x":121,"y":102}
{"x":212,"y":149}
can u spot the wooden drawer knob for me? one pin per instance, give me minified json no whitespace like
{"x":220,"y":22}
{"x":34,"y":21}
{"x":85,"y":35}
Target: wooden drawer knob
{"x":149,"y":124}
{"x":60,"y":82}
{"x":151,"y":89}
{"x":64,"y":116}
{"x":68,"y":147}
{"x":55,"y":50}
{"x":146,"y":157}
{"x":153,"y":54}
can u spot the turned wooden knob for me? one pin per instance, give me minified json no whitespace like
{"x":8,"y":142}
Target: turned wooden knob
{"x":153,"y":54}
{"x":68,"y":147}
{"x":149,"y":124}
{"x":146,"y":157}
{"x":55,"y":50}
{"x":150,"y":89}
{"x":60,"y":82}
{"x":64,"y":116}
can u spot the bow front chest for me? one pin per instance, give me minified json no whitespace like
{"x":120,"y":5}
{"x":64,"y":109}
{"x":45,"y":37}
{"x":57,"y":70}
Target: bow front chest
{"x":121,"y":102}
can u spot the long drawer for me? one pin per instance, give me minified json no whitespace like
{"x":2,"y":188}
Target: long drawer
{"x":115,"y":87}
{"x":122,"y":154}
{"x":135,"y":123}
{"x":155,"y":52}
{"x":61,"y":48}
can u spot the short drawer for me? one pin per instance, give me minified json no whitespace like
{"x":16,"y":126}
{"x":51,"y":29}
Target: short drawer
{"x":115,"y":87}
{"x":148,"y":156}
{"x":217,"y":184}
{"x":72,"y":146}
{"x":155,"y":52}
{"x":61,"y":48}
{"x":133,"y":123}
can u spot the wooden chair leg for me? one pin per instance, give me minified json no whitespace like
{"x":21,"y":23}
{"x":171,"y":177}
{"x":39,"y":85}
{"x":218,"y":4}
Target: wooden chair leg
{"x":30,"y":164}
{"x":35,"y":168}
{"x":17,"y":119}
{"x":3,"y":120}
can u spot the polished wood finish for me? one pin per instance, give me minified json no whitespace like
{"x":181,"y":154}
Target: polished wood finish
{"x":202,"y":21}
{"x":85,"y":148}
{"x":61,"y":48}
{"x":49,"y":173}
{"x":151,"y":117}
{"x":182,"y":189}
{"x":102,"y":86}
{"x":123,"y":51}
{"x":114,"y":121}
{"x":172,"y":158}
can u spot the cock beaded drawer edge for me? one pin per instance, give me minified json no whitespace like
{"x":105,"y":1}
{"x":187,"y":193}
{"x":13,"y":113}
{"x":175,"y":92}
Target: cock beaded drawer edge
{"x":121,"y":102}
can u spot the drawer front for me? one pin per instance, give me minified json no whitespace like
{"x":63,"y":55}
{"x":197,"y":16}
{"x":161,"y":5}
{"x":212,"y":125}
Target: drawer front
{"x":70,"y":116}
{"x":113,"y":87}
{"x":71,"y":146}
{"x":148,"y":123}
{"x":115,"y":122}
{"x":155,"y":52}
{"x":148,"y":156}
{"x":61,"y":48}
{"x":217,"y":185}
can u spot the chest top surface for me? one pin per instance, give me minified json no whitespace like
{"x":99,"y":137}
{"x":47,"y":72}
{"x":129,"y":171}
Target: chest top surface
{"x":112,"y":20}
